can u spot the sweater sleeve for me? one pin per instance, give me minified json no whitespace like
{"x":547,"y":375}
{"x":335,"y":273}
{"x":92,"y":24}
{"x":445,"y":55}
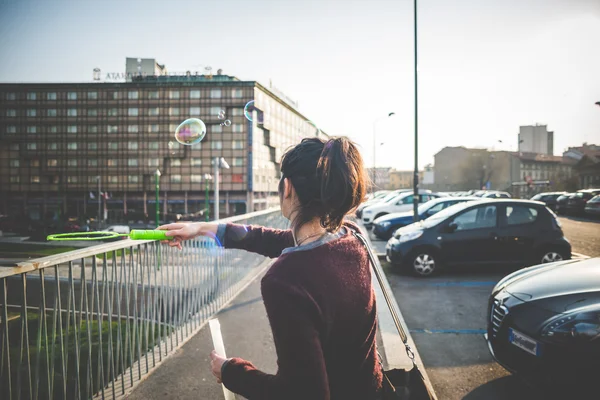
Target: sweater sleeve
{"x":257,"y":239}
{"x":295,"y":320}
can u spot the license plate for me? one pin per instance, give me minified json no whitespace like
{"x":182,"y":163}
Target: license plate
{"x":524,"y":342}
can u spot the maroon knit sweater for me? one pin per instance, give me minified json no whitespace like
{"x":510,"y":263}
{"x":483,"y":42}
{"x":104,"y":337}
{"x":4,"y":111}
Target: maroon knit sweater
{"x":321,"y":307}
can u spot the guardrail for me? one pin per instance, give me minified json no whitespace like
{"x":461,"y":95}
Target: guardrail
{"x":91,"y":323}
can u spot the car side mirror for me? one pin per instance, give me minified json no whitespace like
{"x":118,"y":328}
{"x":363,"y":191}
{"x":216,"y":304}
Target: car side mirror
{"x":452,"y":226}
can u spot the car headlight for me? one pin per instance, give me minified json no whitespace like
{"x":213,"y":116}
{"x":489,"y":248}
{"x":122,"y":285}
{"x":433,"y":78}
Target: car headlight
{"x":581,"y":325}
{"x":410,"y":236}
{"x":384,"y":224}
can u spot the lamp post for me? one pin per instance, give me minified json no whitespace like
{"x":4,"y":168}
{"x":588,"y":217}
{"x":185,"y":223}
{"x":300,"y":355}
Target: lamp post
{"x":219,"y":163}
{"x":416,"y":177}
{"x":375,"y":147}
{"x":99,"y":202}
{"x":157,"y":186}
{"x":207,"y":179}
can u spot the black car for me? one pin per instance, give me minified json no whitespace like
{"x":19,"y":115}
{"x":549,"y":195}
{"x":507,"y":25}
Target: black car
{"x":543,"y":323}
{"x":498,"y":231}
{"x":576,"y":203}
{"x":548,"y":198}
{"x":384,"y":227}
{"x":561,"y":203}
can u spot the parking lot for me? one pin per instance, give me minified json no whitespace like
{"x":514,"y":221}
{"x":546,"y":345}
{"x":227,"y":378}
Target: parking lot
{"x":447,"y":318}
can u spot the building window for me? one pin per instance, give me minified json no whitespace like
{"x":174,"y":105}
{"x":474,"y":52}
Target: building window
{"x":111,"y":162}
{"x":216,"y":145}
{"x":52,"y":163}
{"x":72,"y":96}
{"x":31,"y":129}
{"x":215,"y":93}
{"x":236,"y":112}
{"x":11,"y":113}
{"x":53,"y":129}
{"x":194,"y":94}
{"x":236,"y":93}
{"x":153,"y":128}
{"x":31,"y":146}
{"x":52,"y":146}
{"x":11,"y":129}
{"x":31,"y":112}
{"x":72,"y":112}
{"x":174,"y":111}
{"x":115,"y":95}
{"x":153,"y":112}
{"x":51,"y":112}
{"x":14,"y":146}
{"x":132,"y":146}
{"x":32,"y":96}
{"x":133,"y":112}
{"x":132,"y":129}
{"x":113,"y":112}
{"x":153,"y":145}
{"x":196,"y":162}
{"x":113,"y":146}
{"x":11,"y":96}
{"x":14,"y":163}
{"x":133,"y":179}
{"x":174,"y":94}
{"x":215,"y":110}
{"x":175,"y":178}
{"x":35,"y":179}
{"x":14,"y":179}
{"x":92,"y":95}
{"x":72,"y":163}
{"x":196,"y":178}
{"x":92,"y":112}
{"x":133,"y":95}
{"x":132,"y":162}
{"x":112,"y":129}
{"x":92,"y":163}
{"x":93,"y":129}
{"x":237,"y":128}
{"x":153,"y":95}
{"x":194,"y":111}
{"x":113,"y":179}
{"x":34,"y":163}
{"x":72,"y":129}
{"x":72,"y":146}
{"x":51,"y":96}
{"x":176,"y":163}
{"x":237,"y":144}
{"x":238,"y":161}
{"x":72,"y":179}
{"x":153,"y":162}
{"x":216,"y":128}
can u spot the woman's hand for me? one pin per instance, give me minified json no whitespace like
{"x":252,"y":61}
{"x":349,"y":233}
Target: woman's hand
{"x":181,"y":231}
{"x":216,"y":363}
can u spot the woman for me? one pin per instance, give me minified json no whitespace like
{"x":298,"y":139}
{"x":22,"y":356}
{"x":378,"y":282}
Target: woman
{"x":318,"y":293}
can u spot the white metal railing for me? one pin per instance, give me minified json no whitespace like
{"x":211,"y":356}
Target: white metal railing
{"x":90,"y":323}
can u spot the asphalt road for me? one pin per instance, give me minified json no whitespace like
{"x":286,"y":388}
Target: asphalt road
{"x":447,"y":318}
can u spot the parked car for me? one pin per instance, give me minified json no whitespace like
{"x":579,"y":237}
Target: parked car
{"x":384,"y":227}
{"x":495,"y":231}
{"x":377,"y":195}
{"x":544,"y":324}
{"x":402,"y":202}
{"x":576,"y":203}
{"x":496,"y":194}
{"x":561,"y":203}
{"x":386,"y":198}
{"x":592,"y":207}
{"x":548,"y":198}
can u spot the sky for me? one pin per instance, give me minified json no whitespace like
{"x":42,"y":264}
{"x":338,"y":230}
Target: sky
{"x":485,"y":66}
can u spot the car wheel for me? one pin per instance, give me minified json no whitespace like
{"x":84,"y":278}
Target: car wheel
{"x":549,"y":256}
{"x":423,"y":263}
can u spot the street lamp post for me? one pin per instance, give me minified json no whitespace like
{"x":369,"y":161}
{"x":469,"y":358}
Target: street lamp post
{"x":416,"y":177}
{"x":207,"y":178}
{"x":157,"y":186}
{"x":219,"y":163}
{"x":375,"y":147}
{"x":99,"y":202}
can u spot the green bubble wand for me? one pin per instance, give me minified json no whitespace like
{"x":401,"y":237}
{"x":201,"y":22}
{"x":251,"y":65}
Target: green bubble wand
{"x":135,"y":234}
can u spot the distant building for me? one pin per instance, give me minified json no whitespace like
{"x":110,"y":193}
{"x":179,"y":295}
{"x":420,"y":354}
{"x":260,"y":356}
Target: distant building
{"x":578,"y":152}
{"x":536,"y":139}
{"x":428,"y":176}
{"x":403,"y":179}
{"x":588,"y":171}
{"x":380,"y":178}
{"x":142,"y":67}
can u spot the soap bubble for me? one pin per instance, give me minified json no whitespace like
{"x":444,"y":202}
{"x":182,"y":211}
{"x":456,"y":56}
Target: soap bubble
{"x":226,"y":123}
{"x":248,"y":110}
{"x":190,"y":131}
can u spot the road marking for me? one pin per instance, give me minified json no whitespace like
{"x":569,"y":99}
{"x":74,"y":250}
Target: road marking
{"x":579,"y":256}
{"x":456,"y":331}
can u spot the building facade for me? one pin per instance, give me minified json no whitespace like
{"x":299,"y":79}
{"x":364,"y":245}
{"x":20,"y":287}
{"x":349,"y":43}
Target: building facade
{"x":536,"y":139}
{"x":61,"y":145}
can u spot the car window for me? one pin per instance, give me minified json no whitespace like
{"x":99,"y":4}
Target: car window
{"x":517,"y":215}
{"x":437,"y":208}
{"x":476,"y":218}
{"x":537,"y":197}
{"x":424,"y":198}
{"x":406,"y":200}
